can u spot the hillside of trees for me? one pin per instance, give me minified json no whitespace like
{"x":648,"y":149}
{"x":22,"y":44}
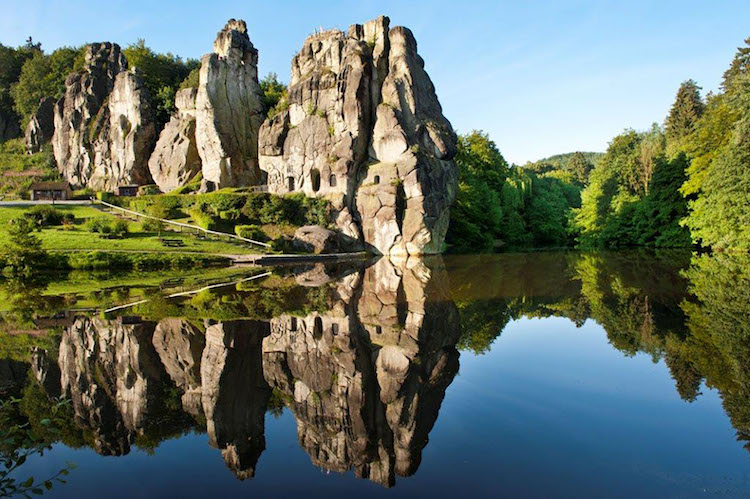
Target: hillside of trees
{"x":683,"y":183}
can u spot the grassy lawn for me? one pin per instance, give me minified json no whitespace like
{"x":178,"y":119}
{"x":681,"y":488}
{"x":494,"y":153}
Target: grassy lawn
{"x":79,"y":238}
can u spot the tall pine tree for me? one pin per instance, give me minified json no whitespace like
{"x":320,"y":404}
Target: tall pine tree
{"x":686,"y":111}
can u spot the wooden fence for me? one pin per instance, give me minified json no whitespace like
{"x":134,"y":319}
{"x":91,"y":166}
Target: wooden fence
{"x":183,"y":225}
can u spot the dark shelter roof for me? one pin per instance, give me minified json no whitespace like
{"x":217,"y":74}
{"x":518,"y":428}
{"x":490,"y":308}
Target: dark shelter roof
{"x":49,"y":186}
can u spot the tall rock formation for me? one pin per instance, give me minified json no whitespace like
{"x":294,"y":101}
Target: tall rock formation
{"x":125,"y":135}
{"x":228,"y":110}
{"x":364,"y":128}
{"x":175,"y":159}
{"x":104,"y":132}
{"x":41,"y":127}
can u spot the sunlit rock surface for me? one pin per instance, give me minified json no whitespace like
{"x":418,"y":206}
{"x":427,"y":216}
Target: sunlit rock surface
{"x":175,"y":159}
{"x":228,"y":110}
{"x":104,"y":131}
{"x":364,"y":128}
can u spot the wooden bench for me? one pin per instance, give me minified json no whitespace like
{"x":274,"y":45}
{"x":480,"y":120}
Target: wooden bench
{"x":173,"y":243}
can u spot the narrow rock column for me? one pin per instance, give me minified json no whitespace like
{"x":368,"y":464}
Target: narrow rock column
{"x":229,"y":110}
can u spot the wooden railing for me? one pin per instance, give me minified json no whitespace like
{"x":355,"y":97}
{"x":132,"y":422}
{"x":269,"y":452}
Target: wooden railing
{"x":191,"y":292}
{"x":183,"y":225}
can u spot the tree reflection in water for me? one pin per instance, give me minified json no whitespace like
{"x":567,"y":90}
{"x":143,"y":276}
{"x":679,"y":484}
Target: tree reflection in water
{"x":362,"y":355}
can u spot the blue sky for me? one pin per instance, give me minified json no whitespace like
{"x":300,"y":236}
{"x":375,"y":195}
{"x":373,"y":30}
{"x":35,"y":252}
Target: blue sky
{"x":539,"y":77}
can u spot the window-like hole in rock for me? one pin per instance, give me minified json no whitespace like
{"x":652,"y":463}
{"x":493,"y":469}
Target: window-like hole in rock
{"x":315,"y":179}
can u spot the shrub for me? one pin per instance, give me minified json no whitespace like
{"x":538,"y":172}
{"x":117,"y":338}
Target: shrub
{"x":250,"y":232}
{"x":201,"y":218}
{"x":46,"y":215}
{"x":231,"y":214}
{"x":107,"y":197}
{"x":151,"y":225}
{"x":119,"y":229}
{"x":282,"y":245}
{"x":99,"y":225}
{"x":102,"y":260}
{"x":148,"y":190}
{"x":164,"y":207}
{"x":86,"y":193}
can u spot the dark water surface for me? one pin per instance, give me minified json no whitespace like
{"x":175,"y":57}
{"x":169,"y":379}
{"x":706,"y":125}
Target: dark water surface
{"x":556,"y":374}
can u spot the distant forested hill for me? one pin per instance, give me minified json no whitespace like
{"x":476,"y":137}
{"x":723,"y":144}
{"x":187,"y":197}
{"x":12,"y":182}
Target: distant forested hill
{"x":578,"y":163}
{"x":563,"y":160}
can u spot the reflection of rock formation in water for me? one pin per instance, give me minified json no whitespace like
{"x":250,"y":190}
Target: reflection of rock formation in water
{"x":108,"y":370}
{"x":180,"y":345}
{"x":46,"y":372}
{"x":364,"y":374}
{"x":366,"y":380}
{"x":235,"y":393}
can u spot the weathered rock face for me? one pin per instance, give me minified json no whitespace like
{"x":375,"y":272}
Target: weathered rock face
{"x":86,"y":93}
{"x":175,"y":159}
{"x":104,"y":132}
{"x":364,"y":127}
{"x":179,"y":345}
{"x":41,"y":127}
{"x":315,"y":239}
{"x":112,"y":375}
{"x":126,"y":136}
{"x":229,"y":110}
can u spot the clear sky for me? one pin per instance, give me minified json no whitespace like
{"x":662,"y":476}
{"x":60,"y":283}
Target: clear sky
{"x":540,"y":77}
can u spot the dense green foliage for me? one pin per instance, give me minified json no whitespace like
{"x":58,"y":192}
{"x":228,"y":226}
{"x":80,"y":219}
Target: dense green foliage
{"x":11,"y":63}
{"x":685,"y":113}
{"x":224,"y":210}
{"x":577,"y":164}
{"x":510,"y":206}
{"x":163,"y":75}
{"x":44,"y":76}
{"x":685,"y":183}
{"x":632,"y":198}
{"x":22,"y":254}
{"x":688,"y":183}
{"x":718,"y":184}
{"x":274,"y":92}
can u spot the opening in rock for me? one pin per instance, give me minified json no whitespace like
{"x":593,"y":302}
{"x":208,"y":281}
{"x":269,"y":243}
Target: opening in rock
{"x":376,"y":180}
{"x":400,"y":205}
{"x":402,"y":306}
{"x":315,"y":179}
{"x":332,"y":180}
{"x":318,"y":328}
{"x":293,"y":324}
{"x":334,"y":329}
{"x":290,"y":183}
{"x":378,"y":330}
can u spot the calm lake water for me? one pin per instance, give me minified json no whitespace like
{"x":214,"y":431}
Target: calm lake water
{"x":552,"y":374}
